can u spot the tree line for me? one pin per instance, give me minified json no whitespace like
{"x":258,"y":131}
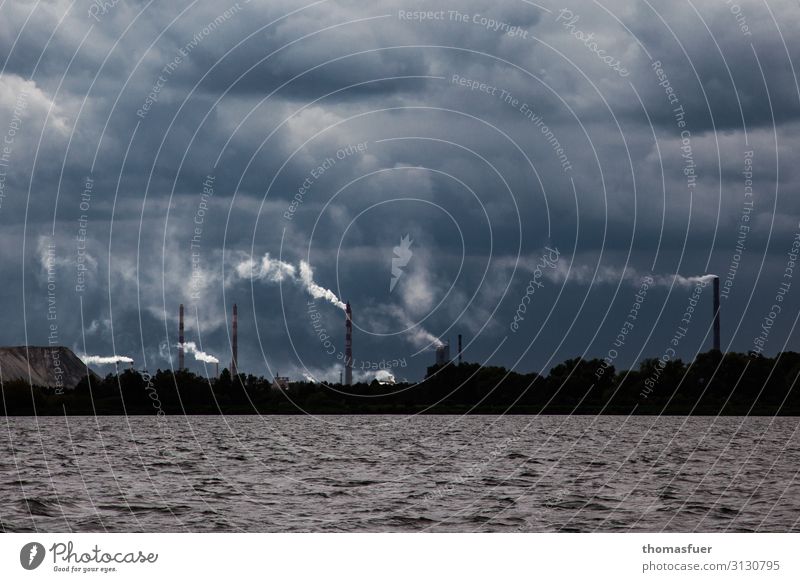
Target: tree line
{"x":714,"y":383}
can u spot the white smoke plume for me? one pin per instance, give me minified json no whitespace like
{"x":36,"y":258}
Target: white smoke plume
{"x":589,"y":274}
{"x":416,"y":334}
{"x":420,"y":337}
{"x":331,"y":375}
{"x":385,"y":377}
{"x":199,"y":355}
{"x":683,"y":281}
{"x":316,"y":291}
{"x":105,"y":360}
{"x":275,"y":271}
{"x":269,"y":269}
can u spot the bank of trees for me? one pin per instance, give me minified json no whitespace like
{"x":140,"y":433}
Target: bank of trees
{"x":713,"y":384}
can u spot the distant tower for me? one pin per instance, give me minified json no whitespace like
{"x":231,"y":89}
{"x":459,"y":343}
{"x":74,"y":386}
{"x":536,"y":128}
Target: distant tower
{"x":235,"y":342}
{"x":716,"y":314}
{"x":348,"y":345}
{"x":443,"y":354}
{"x":180,"y":339}
{"x":459,"y":350}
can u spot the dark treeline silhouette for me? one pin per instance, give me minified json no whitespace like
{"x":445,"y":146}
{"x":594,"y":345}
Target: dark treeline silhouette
{"x":730,"y":384}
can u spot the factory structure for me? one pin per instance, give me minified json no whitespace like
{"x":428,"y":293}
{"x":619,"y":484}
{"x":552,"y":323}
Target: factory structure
{"x":716,"y":342}
{"x":348,"y":345}
{"x":443,"y":354}
{"x":235,"y":342}
{"x":442,"y":351}
{"x":181,"y":339}
{"x":33,"y":364}
{"x":280,"y":382}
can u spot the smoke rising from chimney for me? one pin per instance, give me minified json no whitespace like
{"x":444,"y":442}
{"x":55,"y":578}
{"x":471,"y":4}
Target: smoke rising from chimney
{"x":688,"y":281}
{"x":198,"y":354}
{"x":316,"y":291}
{"x":590,"y":274}
{"x":417,"y":334}
{"x":275,"y":271}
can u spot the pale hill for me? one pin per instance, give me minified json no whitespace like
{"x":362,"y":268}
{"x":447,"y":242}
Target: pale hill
{"x":42,"y":366}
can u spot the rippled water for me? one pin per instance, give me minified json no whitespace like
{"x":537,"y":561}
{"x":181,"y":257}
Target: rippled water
{"x":368,"y":473}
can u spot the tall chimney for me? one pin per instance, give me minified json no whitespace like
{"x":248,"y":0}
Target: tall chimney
{"x":180,"y":339}
{"x":716,"y":314}
{"x":459,"y":350}
{"x":235,"y":342}
{"x":348,"y":346}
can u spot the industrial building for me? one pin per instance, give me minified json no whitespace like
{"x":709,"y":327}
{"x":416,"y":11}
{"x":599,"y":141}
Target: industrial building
{"x":280,"y":382}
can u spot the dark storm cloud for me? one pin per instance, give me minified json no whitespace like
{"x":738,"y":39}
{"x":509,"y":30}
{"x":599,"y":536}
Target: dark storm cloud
{"x":491,"y":104}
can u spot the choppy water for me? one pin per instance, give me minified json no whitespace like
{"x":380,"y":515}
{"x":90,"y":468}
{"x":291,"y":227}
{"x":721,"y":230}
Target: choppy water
{"x":367,"y":473}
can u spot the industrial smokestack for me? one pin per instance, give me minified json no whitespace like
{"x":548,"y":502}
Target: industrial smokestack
{"x":180,"y":339}
{"x":443,"y":354}
{"x":348,"y":345}
{"x":716,"y":314}
{"x":459,"y":349}
{"x":235,"y":342}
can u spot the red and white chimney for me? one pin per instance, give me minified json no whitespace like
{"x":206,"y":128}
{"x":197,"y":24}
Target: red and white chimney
{"x":180,"y":339}
{"x":717,"y":342}
{"x":235,"y":342}
{"x":348,"y":345}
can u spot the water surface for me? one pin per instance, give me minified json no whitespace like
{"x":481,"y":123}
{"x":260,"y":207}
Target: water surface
{"x":385,"y":473}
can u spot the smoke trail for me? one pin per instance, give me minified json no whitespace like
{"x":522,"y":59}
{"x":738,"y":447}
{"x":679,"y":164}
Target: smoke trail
{"x":317,"y":292}
{"x":588,"y":274}
{"x":275,"y":271}
{"x":105,"y":360}
{"x":199,"y":355}
{"x":683,"y":281}
{"x":421,"y":337}
{"x":269,"y":269}
{"x":417,"y":334}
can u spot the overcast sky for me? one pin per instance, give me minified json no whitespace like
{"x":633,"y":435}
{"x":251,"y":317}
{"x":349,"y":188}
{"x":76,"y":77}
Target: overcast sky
{"x":540,"y":155}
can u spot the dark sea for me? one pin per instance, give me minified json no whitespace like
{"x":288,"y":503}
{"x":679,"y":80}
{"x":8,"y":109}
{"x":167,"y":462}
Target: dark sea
{"x":399,"y":474}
